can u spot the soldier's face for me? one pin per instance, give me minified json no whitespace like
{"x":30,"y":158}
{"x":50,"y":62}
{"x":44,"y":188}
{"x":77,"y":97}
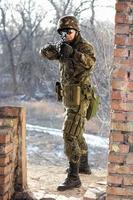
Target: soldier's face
{"x":70,"y":35}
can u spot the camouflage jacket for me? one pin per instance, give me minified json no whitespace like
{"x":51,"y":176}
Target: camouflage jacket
{"x":74,"y":70}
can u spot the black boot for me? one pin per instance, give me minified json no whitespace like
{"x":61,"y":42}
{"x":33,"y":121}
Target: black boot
{"x":84,"y":167}
{"x":72,"y":180}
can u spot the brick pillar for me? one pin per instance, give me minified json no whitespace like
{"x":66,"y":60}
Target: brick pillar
{"x":120,"y":159}
{"x":13,"y":170}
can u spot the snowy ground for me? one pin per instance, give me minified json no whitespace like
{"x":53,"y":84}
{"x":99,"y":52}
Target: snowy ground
{"x":47,"y":163}
{"x":92,"y":140}
{"x":43,"y":182}
{"x":45,"y":146}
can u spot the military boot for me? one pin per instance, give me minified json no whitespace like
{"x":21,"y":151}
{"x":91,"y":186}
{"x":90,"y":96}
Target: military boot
{"x":72,"y":180}
{"x":84,"y":167}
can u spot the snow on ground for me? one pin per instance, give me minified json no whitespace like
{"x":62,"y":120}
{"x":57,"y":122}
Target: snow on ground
{"x":92,"y":140}
{"x":45,"y":146}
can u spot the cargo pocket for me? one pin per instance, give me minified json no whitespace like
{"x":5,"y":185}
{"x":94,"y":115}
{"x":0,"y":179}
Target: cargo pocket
{"x":68,"y":122}
{"x":71,"y":95}
{"x":93,"y":106}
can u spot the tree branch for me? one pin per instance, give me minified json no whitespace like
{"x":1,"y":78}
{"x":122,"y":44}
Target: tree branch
{"x":20,"y":31}
{"x":3,"y":21}
{"x":56,"y":8}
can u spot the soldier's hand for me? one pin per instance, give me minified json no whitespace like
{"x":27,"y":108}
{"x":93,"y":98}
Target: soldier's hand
{"x":42,"y":52}
{"x":49,"y":51}
{"x":45,"y":50}
{"x":66,"y":50}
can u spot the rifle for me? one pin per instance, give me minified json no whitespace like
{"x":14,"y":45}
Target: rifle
{"x":54,"y":46}
{"x":62,"y":41}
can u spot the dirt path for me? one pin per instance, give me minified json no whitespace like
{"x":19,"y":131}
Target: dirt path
{"x":43,"y":181}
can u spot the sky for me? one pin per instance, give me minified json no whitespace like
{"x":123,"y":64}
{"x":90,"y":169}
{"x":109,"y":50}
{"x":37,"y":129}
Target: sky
{"x":104,"y":10}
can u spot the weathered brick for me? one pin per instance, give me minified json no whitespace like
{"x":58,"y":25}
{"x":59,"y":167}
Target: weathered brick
{"x":124,"y":148}
{"x":4,"y":188}
{"x":123,"y":18}
{"x":15,"y":140}
{"x":129,"y":41}
{"x":123,"y":62}
{"x":130,"y":86}
{"x":122,"y":126}
{"x":131,"y":30}
{"x":5,"y":169}
{"x":117,"y":95}
{"x":115,"y":179}
{"x":120,"y":191}
{"x":116,"y":197}
{"x":116,"y":106}
{"x":9,"y":111}
{"x":4,"y":197}
{"x":4,"y":179}
{"x":124,"y":86}
{"x":118,"y":169}
{"x":22,"y":132}
{"x":130,"y":139}
{"x":119,"y":148}
{"x":121,"y":6}
{"x":120,"y":74}
{"x":120,"y":18}
{"x":114,"y":158}
{"x":9,"y":159}
{"x":116,"y":137}
{"x":120,"y":85}
{"x":129,"y":159}
{"x":118,"y":116}
{"x":128,"y":180}
{"x":131,"y":52}
{"x":131,"y":76}
{"x":121,"y":52}
{"x":130,"y":96}
{"x":4,"y":149}
{"x":120,"y":159}
{"x":121,"y":29}
{"x":4,"y":160}
{"x":5,"y":131}
{"x":8,"y":122}
{"x":120,"y":106}
{"x":128,"y":106}
{"x":4,"y":138}
{"x":121,"y":39}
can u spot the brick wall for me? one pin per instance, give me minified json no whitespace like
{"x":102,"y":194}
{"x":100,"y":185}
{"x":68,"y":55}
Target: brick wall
{"x":13,"y":172}
{"x":120,"y":159}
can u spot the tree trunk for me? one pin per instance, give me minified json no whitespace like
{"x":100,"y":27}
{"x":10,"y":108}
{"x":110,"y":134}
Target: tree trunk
{"x":13,"y":71}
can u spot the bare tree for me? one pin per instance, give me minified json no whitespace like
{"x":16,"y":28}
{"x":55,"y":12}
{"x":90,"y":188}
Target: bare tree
{"x":101,"y":36}
{"x":28,"y":60}
{"x":10,"y":42}
{"x":92,"y":18}
{"x":19,"y":35}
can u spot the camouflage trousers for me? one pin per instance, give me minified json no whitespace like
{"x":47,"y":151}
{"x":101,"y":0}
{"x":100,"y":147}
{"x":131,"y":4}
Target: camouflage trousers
{"x":73,"y":128}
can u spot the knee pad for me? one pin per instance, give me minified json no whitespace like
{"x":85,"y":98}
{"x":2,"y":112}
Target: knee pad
{"x":72,"y":149}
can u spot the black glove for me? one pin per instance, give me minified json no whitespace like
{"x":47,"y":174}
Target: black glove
{"x":66,"y":50}
{"x":58,"y":91}
{"x":49,"y":51}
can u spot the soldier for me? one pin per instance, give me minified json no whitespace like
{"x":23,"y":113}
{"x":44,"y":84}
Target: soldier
{"x":76,"y":58}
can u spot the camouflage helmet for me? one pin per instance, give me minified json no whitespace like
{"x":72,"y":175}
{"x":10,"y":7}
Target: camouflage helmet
{"x":67,"y":22}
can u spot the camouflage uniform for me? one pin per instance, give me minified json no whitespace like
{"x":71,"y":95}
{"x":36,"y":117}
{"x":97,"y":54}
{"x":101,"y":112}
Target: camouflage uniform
{"x":74,"y":70}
